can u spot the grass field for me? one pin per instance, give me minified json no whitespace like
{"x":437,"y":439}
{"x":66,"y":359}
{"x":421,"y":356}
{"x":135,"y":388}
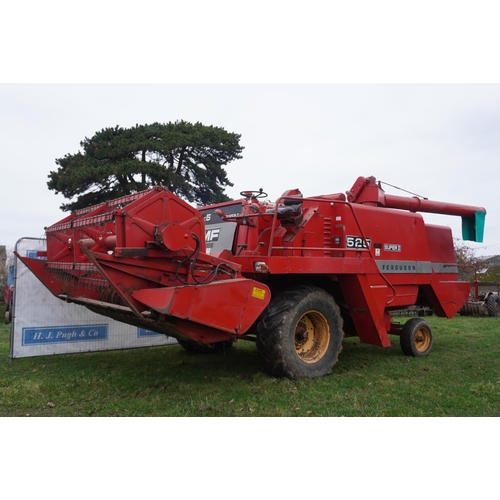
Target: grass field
{"x":460,"y":377}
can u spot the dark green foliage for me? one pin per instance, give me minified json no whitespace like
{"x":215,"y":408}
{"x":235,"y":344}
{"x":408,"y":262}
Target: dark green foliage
{"x":491,"y":275}
{"x":186,"y":158}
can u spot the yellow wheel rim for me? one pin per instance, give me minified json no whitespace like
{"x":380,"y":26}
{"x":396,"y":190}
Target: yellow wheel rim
{"x":422,"y":339}
{"x":311,"y":337}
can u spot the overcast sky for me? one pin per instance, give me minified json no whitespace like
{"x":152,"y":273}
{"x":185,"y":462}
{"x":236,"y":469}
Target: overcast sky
{"x":441,"y":141}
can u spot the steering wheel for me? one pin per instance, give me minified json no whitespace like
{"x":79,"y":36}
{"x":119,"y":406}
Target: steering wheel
{"x":254,"y":194}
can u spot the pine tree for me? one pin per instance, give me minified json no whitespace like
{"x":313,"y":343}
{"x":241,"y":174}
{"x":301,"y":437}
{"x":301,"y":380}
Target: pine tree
{"x":186,"y":158}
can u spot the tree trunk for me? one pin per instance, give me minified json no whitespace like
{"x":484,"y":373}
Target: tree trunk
{"x":181,"y":159}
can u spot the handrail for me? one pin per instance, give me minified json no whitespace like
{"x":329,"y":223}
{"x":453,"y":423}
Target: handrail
{"x":322,"y":200}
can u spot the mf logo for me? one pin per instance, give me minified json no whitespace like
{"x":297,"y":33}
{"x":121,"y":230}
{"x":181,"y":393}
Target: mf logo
{"x":212,"y":234}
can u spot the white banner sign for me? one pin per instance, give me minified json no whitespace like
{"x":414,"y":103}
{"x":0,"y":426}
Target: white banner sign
{"x":43,"y":324}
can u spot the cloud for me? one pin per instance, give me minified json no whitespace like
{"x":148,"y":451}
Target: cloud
{"x":437,"y":140}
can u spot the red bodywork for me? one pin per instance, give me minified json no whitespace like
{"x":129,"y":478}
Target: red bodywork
{"x":207,"y":274}
{"x":7,"y":294}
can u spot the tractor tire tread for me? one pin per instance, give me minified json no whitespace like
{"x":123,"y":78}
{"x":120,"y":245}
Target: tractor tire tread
{"x":270,"y":334}
{"x":493,"y":305}
{"x":406,"y":338}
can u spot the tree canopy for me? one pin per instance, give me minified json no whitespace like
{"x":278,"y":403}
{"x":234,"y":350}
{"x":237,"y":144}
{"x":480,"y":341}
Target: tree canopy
{"x":186,"y":158}
{"x":468,"y":262}
{"x":491,"y":275}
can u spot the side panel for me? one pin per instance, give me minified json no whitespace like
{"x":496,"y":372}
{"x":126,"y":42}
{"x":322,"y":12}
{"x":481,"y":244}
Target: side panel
{"x":231,"y":305}
{"x":366,"y":303}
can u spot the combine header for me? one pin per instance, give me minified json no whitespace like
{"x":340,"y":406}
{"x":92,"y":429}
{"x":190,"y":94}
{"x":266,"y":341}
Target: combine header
{"x":295,"y":275}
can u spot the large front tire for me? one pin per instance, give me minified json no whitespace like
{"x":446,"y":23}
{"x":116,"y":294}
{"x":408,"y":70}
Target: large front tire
{"x":300,"y":333}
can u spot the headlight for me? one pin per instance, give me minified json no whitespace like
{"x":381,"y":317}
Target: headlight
{"x":261,"y":267}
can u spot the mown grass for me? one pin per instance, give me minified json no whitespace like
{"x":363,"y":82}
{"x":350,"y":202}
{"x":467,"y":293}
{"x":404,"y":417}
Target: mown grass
{"x":460,"y":377}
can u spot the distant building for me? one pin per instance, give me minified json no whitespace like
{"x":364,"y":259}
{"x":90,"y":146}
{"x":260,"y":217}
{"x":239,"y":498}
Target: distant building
{"x":493,"y":260}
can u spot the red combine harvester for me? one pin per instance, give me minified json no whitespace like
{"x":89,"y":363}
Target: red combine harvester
{"x":295,"y":276}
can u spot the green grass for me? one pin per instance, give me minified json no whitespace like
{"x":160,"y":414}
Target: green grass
{"x":460,"y":377}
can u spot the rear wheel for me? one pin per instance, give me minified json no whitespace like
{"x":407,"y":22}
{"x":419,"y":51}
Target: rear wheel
{"x":8,"y":316}
{"x":493,"y":305}
{"x":416,"y":337}
{"x":300,"y":334}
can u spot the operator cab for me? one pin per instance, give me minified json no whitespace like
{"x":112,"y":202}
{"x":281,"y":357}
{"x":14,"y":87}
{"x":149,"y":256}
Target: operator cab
{"x":221,"y":220}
